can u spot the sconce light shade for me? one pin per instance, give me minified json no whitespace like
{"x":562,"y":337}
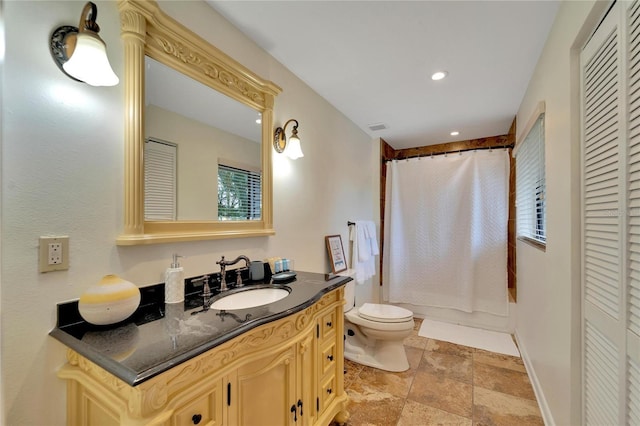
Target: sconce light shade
{"x":80,"y":52}
{"x":89,"y":62}
{"x":291,"y":148}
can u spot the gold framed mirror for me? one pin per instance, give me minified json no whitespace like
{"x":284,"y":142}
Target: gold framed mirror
{"x":149,"y":34}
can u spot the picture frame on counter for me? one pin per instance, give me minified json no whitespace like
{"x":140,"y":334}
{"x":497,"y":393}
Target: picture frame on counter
{"x":336,"y":253}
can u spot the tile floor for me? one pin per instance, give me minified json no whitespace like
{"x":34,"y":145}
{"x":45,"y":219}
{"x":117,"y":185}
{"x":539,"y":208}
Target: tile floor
{"x":447,"y":384}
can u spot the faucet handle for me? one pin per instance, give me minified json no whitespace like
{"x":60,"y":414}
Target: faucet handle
{"x":239,"y":282}
{"x":221,"y":262}
{"x":206,"y":291}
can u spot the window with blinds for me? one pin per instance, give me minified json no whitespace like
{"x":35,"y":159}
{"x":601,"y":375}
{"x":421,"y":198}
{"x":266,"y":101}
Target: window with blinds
{"x":531,"y":186}
{"x":160,"y":180}
{"x":239,"y":193}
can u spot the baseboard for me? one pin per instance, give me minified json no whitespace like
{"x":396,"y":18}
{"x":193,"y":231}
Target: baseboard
{"x":537,"y":389}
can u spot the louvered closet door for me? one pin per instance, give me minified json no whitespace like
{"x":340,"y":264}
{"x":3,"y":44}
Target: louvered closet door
{"x":610,"y":65}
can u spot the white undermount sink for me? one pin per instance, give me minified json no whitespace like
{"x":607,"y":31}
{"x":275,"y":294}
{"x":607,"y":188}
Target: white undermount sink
{"x":250,"y":298}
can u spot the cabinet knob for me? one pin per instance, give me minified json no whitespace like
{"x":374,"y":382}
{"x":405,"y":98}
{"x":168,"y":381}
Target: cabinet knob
{"x":329,"y":391}
{"x":196,"y":418}
{"x":330,"y":357}
{"x":329,"y":323}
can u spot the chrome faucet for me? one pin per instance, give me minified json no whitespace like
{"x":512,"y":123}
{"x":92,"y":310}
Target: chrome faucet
{"x":223,"y":270}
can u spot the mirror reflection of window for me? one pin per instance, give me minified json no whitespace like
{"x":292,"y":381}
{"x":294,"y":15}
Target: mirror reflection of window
{"x":160,"y":180}
{"x":239,"y":193}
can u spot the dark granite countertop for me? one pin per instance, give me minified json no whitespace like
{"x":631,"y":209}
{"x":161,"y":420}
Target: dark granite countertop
{"x":159,"y":336}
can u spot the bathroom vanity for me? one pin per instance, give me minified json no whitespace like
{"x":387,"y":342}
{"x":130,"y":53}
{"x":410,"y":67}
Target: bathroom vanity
{"x":276,"y":364}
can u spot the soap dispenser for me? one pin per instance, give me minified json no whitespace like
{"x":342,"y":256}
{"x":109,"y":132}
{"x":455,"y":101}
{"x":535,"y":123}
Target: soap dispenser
{"x":174,"y":282}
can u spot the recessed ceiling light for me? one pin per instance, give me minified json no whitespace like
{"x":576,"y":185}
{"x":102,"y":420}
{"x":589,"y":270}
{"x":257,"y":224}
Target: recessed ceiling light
{"x":455,"y":133}
{"x":439,"y":75}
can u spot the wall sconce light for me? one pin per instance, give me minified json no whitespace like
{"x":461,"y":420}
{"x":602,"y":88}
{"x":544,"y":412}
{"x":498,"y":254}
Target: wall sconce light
{"x":80,"y":53}
{"x":291,"y":148}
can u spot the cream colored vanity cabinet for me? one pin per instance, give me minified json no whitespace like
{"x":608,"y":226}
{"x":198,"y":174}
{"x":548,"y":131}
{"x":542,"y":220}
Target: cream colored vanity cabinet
{"x":286,"y":372}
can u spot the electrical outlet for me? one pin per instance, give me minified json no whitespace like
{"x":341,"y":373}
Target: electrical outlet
{"x":53,"y":254}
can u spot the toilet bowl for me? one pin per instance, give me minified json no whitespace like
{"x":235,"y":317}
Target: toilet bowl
{"x":374,"y":333}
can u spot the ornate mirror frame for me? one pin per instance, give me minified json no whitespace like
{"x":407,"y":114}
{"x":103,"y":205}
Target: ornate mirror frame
{"x":148,"y":31}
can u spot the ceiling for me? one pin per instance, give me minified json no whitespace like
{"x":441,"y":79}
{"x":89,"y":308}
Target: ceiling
{"x":373,"y":60}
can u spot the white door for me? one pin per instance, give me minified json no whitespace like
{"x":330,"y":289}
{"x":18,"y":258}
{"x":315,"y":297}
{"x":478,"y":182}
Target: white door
{"x":610,"y":159}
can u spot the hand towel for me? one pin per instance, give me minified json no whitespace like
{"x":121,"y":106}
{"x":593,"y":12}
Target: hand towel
{"x":365,"y":248}
{"x":370,"y":234}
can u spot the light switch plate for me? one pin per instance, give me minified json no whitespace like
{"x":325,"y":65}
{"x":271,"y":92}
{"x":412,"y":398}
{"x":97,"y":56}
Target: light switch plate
{"x":53,"y":254}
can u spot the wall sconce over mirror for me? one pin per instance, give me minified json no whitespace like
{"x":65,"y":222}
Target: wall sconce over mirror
{"x":290,"y":148}
{"x":80,"y":53}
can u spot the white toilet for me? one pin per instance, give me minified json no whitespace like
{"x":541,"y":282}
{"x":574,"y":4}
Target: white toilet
{"x":374,"y":333}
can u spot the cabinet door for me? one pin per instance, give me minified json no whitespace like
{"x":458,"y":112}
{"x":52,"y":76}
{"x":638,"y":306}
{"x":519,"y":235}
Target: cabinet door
{"x":87,"y":406}
{"x":265,"y":391}
{"x":307,"y":379}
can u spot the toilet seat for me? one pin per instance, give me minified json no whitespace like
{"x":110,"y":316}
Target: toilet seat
{"x":384,"y":313}
{"x":353,"y":316}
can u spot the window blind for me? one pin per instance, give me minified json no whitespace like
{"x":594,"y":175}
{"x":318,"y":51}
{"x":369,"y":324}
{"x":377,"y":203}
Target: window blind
{"x":530,"y":185}
{"x":239,"y":193}
{"x":160,"y":180}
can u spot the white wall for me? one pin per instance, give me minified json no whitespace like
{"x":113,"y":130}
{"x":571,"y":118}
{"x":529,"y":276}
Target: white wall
{"x":62,"y":174}
{"x":548,"y":323}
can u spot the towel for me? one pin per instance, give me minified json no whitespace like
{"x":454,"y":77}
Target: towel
{"x":365,"y":249}
{"x":370,"y":235}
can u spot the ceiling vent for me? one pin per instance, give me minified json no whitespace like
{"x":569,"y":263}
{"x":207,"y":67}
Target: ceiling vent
{"x":377,"y":126}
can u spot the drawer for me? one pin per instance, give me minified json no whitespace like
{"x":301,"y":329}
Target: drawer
{"x":199,"y":411}
{"x":328,"y":324}
{"x":328,"y":392}
{"x":328,"y":358}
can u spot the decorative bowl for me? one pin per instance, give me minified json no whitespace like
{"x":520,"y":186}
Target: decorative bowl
{"x":110,"y":301}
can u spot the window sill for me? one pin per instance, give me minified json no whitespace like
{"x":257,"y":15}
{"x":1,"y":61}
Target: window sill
{"x":534,"y":243}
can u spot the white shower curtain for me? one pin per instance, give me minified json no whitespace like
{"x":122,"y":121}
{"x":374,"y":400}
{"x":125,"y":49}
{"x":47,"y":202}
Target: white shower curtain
{"x":445,"y":241}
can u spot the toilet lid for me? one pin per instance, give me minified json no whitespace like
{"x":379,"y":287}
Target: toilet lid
{"x":384,"y":313}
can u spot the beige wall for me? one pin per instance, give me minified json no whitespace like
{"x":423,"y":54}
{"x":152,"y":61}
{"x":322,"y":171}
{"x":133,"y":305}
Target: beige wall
{"x":199,"y":148}
{"x":62,"y":174}
{"x":548,"y":323}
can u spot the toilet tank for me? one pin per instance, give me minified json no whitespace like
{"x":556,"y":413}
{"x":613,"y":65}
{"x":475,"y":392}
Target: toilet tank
{"x":349,"y":295}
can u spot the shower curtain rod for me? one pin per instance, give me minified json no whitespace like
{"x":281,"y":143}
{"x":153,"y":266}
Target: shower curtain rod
{"x":458,"y":151}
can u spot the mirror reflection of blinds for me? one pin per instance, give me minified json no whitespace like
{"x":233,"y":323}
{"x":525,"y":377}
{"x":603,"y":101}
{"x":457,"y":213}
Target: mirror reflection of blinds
{"x":530,"y":185}
{"x":239,"y":194}
{"x":160,"y":180}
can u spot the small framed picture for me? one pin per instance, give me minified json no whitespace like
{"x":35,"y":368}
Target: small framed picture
{"x":336,"y":253}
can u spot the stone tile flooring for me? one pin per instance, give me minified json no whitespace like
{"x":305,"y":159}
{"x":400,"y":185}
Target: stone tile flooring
{"x":447,"y":384}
